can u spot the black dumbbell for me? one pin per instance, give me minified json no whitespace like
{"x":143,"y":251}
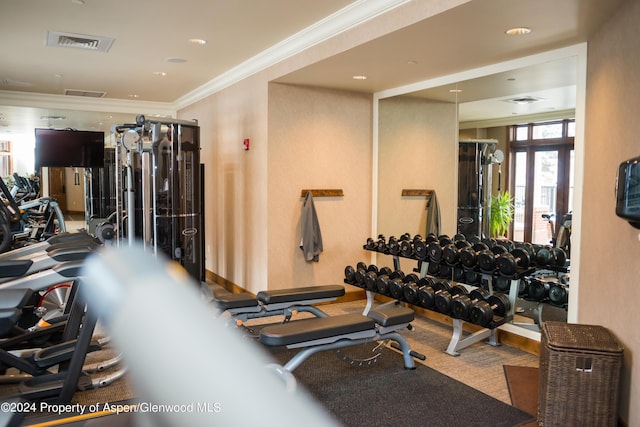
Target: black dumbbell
{"x":370,"y":279}
{"x":396,"y":286}
{"x":406,"y":247}
{"x":559,"y":294}
{"x":445,"y":271}
{"x":450,"y":254}
{"x":486,"y":259}
{"x":459,"y":237}
{"x":444,"y":298}
{"x":508,"y":263}
{"x":434,"y":252}
{"x":394,"y":245}
{"x":420,"y":248}
{"x":385,"y":270}
{"x":507,"y":244}
{"x":503,"y":284}
{"x":483,"y":311}
{"x":441,"y":285}
{"x":370,"y":245}
{"x":411,"y":290}
{"x":361,"y":271}
{"x":472,"y":277}
{"x":384,"y":280}
{"x":426,"y":292}
{"x":461,"y":307}
{"x":527,"y":247}
{"x":473,"y":240}
{"x":469,"y":255}
{"x":538,"y":290}
{"x":381,"y":244}
{"x":444,"y":240}
{"x":548,"y":256}
{"x":349,"y":275}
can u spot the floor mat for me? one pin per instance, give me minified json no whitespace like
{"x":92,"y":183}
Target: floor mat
{"x":522,"y":382}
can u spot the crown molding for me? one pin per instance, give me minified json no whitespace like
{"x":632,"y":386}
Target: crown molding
{"x":42,"y":100}
{"x":348,"y":17}
{"x":519,"y":119}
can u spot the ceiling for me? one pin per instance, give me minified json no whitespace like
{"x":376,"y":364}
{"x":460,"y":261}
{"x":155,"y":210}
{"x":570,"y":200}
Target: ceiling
{"x":151,"y":37}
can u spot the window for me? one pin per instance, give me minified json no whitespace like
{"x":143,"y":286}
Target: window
{"x":542,"y":177}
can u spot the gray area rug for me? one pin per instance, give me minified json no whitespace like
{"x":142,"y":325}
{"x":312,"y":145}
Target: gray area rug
{"x":380,"y":392}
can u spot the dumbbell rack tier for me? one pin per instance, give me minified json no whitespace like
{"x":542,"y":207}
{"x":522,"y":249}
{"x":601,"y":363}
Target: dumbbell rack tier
{"x":458,"y":341}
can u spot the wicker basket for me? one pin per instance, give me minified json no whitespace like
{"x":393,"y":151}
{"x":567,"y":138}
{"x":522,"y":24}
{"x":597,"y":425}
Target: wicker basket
{"x":580,"y":369}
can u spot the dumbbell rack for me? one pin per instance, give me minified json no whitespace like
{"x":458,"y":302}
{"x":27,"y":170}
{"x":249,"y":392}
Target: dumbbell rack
{"x":458,"y":341}
{"x":513,"y":295}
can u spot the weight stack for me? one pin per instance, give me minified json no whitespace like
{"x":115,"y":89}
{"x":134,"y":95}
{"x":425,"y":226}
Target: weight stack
{"x":580,"y":368}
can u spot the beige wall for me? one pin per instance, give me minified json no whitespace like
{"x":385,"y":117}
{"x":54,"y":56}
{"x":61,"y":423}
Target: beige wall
{"x":318,"y":139}
{"x":237,"y":212}
{"x":235,"y":181}
{"x":239,"y":187}
{"x":417,"y":148}
{"x":610,"y":262}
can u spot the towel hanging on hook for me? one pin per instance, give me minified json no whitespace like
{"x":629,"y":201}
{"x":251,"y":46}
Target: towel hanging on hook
{"x":311,"y":240}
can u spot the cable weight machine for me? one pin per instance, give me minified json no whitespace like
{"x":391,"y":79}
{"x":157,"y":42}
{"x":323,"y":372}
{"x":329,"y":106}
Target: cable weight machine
{"x":158,"y":189}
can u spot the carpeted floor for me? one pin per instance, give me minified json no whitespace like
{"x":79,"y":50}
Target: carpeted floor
{"x":383,"y":393}
{"x":420,"y":402}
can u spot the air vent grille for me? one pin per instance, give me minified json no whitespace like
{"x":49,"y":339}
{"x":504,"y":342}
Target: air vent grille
{"x":524,"y":100}
{"x":86,"y":93}
{"x":78,"y":41}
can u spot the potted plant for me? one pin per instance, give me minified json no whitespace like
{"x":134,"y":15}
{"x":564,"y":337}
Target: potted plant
{"x":502,"y":210}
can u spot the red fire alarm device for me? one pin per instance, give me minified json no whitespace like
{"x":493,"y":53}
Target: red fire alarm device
{"x":246,"y":144}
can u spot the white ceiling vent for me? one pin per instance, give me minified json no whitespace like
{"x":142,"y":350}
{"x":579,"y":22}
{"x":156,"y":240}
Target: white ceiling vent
{"x":86,"y":93}
{"x":78,"y":41}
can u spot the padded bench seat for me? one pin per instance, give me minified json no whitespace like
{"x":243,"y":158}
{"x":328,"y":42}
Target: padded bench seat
{"x":300,"y":294}
{"x":391,"y":316}
{"x":314,"y":329}
{"x":229,"y":301}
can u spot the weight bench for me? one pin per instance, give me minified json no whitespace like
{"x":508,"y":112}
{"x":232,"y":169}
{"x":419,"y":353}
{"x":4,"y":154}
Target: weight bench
{"x":284,"y":302}
{"x":330,"y":333}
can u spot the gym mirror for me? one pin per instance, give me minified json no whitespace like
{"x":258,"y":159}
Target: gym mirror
{"x":419,"y":131}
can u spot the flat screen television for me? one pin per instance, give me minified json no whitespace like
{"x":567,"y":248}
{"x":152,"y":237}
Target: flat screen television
{"x":628,"y":191}
{"x":69,"y":148}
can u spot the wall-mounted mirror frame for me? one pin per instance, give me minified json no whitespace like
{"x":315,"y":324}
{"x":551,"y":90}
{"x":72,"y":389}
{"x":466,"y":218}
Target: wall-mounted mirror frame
{"x":580,"y":52}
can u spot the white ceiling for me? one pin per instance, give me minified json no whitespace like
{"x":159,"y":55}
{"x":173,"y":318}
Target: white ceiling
{"x":147,"y":33}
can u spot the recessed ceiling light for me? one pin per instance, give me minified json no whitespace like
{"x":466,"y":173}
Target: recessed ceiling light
{"x":518,"y":31}
{"x":159,"y":73}
{"x":198,"y":41}
{"x":360,"y":77}
{"x":455,"y":91}
{"x":176,"y":60}
{"x":133,"y":95}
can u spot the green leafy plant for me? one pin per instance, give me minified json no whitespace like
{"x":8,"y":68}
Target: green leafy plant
{"x":502,"y":210}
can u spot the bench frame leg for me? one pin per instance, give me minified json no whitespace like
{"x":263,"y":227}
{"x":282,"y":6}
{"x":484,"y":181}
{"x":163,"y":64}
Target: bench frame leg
{"x":307,"y":352}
